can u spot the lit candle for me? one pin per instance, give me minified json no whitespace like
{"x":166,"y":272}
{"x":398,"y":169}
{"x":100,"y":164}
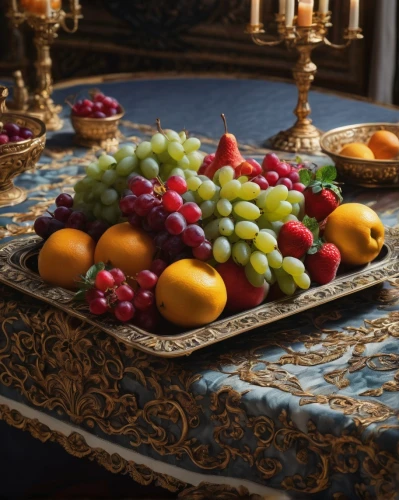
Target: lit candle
{"x":255,"y":11}
{"x":354,"y":15}
{"x":282,"y":8}
{"x":323,"y":6}
{"x":289,"y":12}
{"x":305,"y":13}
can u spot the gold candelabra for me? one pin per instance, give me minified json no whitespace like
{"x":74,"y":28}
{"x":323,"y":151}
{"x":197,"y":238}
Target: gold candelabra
{"x":45,"y":25}
{"x":303,"y":136}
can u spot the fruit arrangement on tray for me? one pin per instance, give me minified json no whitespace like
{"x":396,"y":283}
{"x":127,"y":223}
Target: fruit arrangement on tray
{"x":161,"y":231}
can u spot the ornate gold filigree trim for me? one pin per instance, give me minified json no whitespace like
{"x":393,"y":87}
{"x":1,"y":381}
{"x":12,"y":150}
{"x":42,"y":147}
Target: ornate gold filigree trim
{"x":76,"y":445}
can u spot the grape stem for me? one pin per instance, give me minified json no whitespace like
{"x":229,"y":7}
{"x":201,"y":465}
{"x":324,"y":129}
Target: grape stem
{"x":69,"y":99}
{"x":159,"y":128}
{"x":50,"y":213}
{"x":224,"y":122}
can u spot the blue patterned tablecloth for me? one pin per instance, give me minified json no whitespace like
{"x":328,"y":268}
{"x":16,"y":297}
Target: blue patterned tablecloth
{"x":308,"y":405}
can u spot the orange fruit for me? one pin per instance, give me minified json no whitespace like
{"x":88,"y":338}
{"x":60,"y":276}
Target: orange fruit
{"x":357,"y":150}
{"x":384,"y":145}
{"x":65,"y":256}
{"x":125,"y":247}
{"x":357,"y":231}
{"x":190,"y":293}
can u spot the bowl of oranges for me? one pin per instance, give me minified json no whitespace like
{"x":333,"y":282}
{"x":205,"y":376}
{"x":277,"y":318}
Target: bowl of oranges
{"x":365,"y":154}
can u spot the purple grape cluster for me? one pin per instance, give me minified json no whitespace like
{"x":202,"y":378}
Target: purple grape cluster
{"x":64,"y":216}
{"x":12,"y":132}
{"x":161,"y":211}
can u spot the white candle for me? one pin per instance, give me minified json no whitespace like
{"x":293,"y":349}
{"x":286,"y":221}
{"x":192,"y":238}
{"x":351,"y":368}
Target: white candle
{"x":289,"y":12}
{"x":354,"y":15}
{"x":48,"y":8}
{"x":305,"y":13}
{"x":282,"y":7}
{"x":323,"y":6}
{"x":255,"y":12}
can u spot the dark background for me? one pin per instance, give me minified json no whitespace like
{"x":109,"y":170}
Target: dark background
{"x":186,"y":36}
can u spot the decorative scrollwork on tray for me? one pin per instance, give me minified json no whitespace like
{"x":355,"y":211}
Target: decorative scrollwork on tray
{"x":16,"y":273}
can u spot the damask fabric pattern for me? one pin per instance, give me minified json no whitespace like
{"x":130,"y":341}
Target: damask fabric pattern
{"x":309,"y":404}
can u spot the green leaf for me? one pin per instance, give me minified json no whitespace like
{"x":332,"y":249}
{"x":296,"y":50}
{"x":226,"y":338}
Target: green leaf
{"x":94,"y":270}
{"x":317,"y":188}
{"x":326,"y":174}
{"x":336,"y":190}
{"x":317,"y":244}
{"x":313,"y":226}
{"x":80,"y":295}
{"x":310,"y":222}
{"x":305,"y":176}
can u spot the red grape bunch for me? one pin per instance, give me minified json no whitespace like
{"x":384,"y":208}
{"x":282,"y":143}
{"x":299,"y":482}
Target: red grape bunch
{"x":64,"y":216}
{"x":101,"y":106}
{"x":11,"y":132}
{"x":111,"y":293}
{"x":161,"y":211}
{"x":278,"y":172}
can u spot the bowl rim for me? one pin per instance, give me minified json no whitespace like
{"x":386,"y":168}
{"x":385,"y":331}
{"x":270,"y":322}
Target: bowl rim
{"x":41,"y":123}
{"x":87,"y":119}
{"x":357,"y":160}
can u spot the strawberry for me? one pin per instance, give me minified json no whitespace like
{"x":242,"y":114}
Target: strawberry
{"x":323,"y":264}
{"x":322,"y":195}
{"x":294,"y":239}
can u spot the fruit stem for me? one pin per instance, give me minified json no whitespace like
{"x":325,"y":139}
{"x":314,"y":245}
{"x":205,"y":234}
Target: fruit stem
{"x":159,"y":128}
{"x":50,"y":213}
{"x":73,"y":98}
{"x":224,"y":122}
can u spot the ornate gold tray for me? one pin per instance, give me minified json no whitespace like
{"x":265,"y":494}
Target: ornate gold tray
{"x":18,"y":260}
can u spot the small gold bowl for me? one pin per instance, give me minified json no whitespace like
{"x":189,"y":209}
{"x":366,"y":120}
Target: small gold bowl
{"x":366,"y":173}
{"x":103,"y":132}
{"x":17,"y":157}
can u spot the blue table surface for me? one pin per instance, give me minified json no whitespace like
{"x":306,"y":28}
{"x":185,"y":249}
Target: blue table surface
{"x":323,"y":385}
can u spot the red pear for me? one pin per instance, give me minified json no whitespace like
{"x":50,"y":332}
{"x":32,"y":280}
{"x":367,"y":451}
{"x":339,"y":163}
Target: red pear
{"x":227,"y":153}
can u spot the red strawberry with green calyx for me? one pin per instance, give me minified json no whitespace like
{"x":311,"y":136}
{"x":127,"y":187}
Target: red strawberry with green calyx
{"x":296,"y":238}
{"x":322,"y":194}
{"x":322,"y":262}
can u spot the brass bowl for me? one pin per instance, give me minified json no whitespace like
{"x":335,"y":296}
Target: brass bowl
{"x":366,"y":173}
{"x":17,"y":157}
{"x":101,"y":132}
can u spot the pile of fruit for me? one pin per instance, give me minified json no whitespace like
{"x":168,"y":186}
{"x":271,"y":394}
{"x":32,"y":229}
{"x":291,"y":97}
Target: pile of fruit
{"x":100,"y":106}
{"x":11,"y":132}
{"x":382,"y":145}
{"x":160,"y":231}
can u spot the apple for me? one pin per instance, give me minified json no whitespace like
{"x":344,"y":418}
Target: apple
{"x":241,"y":295}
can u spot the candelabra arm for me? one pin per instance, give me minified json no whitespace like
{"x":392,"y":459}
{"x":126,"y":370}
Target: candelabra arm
{"x":271,"y":43}
{"x":349,"y":36}
{"x":338,"y":46}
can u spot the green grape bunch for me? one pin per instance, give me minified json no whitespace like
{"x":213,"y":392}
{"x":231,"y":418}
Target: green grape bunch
{"x":242,"y":222}
{"x":167,"y":153}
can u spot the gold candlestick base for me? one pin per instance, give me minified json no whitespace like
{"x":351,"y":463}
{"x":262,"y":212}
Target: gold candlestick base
{"x":303,"y":136}
{"x":47,"y":111}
